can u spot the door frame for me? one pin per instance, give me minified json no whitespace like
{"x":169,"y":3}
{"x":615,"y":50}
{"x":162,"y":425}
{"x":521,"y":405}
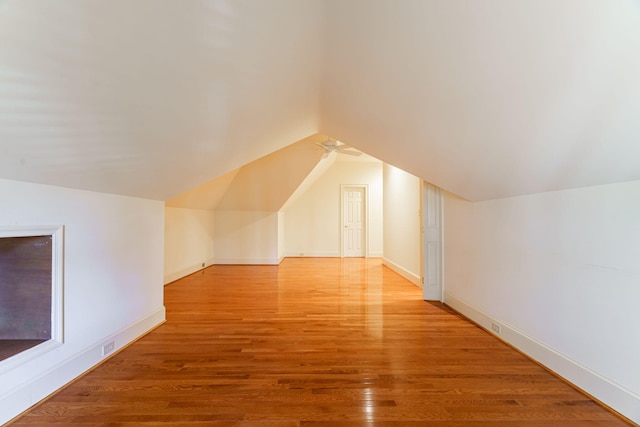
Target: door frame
{"x":365,"y":219}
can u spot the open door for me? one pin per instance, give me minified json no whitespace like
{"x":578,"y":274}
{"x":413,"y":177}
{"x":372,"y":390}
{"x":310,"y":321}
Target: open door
{"x":431,"y":242}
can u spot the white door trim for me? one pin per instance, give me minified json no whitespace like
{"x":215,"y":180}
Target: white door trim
{"x":365,"y":219}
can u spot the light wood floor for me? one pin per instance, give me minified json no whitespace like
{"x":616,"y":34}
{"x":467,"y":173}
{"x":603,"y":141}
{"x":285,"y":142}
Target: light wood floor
{"x":315,"y":342}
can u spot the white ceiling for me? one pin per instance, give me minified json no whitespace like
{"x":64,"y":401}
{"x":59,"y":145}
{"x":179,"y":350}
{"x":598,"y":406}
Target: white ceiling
{"x":152,"y":97}
{"x":266,"y":184}
{"x":486,"y":99}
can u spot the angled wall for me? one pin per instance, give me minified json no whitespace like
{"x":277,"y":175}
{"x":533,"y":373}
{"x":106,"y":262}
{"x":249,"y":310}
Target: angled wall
{"x":248,"y":226}
{"x":559,"y":273}
{"x":112,"y":286}
{"x":235,"y":219}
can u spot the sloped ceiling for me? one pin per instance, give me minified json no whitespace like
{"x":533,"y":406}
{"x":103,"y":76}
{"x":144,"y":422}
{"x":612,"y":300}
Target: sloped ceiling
{"x":486,"y":99}
{"x":150,"y":98}
{"x":206,"y":196}
{"x":267,"y":183}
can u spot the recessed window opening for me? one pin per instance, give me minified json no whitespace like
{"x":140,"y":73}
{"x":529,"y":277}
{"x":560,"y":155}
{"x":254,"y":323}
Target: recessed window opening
{"x":30,"y":292}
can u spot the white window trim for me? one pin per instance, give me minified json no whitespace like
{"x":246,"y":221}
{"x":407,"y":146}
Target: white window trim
{"x":57,"y":277}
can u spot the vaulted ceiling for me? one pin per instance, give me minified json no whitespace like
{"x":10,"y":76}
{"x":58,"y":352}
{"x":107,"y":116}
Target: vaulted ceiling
{"x":486,"y":99}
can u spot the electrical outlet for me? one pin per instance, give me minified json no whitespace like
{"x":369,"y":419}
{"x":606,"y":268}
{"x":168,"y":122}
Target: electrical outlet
{"x":495,"y":328}
{"x":108,"y":348}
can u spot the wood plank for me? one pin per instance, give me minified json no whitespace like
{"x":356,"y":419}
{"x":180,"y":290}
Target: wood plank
{"x":315,"y":342}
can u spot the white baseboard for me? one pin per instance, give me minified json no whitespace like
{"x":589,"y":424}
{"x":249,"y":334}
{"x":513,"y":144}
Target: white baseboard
{"x":321,"y":254}
{"x":606,"y":391}
{"x":247,"y":261}
{"x":172,"y":277}
{"x":326,"y":254}
{"x":410,"y":276}
{"x":26,"y":395}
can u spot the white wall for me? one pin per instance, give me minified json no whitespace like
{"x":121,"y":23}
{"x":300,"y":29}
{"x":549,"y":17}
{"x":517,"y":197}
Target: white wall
{"x":458,"y":249}
{"x":281,"y":228}
{"x":402,"y":210}
{"x":188,"y":237}
{"x":112,"y":280}
{"x":312,"y":220}
{"x":246,"y":237}
{"x":559,"y":273}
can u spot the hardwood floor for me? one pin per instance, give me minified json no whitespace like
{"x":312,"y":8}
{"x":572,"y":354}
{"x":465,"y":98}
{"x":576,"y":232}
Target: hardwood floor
{"x":315,"y":342}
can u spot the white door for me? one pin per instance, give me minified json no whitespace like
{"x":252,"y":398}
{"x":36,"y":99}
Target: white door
{"x":353,"y":221}
{"x":432,"y":242}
